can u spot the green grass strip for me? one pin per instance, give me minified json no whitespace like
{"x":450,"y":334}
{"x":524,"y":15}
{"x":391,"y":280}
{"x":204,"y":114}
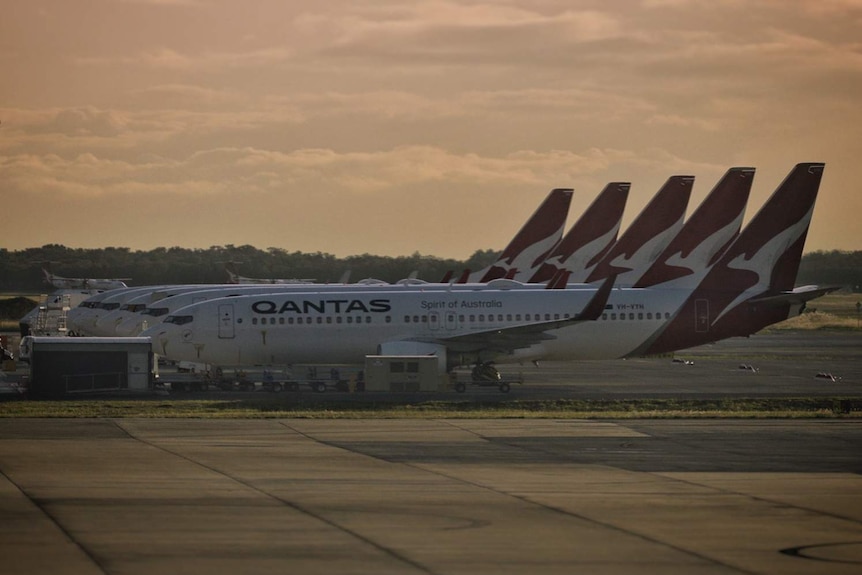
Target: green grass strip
{"x":283,"y":407}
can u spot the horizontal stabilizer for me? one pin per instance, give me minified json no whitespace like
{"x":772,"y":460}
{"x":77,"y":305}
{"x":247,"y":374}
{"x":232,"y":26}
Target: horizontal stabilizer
{"x":797,"y":296}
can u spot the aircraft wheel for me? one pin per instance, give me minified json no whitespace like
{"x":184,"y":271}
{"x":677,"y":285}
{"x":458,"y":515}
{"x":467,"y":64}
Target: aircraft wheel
{"x":460,"y":387}
{"x":276,"y":387}
{"x":504,"y":388}
{"x":320,"y":387}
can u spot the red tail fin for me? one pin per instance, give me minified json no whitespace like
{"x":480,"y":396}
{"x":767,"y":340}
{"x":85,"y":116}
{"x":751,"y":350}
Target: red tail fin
{"x":762,"y":261}
{"x":590,"y":238}
{"x":705,"y":235}
{"x":536,"y":238}
{"x":649,"y":234}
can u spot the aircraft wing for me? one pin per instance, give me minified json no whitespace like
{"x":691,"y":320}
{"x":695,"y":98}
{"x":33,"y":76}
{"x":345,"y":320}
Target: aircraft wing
{"x":521,"y":336}
{"x":796,"y":296}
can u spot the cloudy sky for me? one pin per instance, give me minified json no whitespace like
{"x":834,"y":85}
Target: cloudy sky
{"x":394,"y":127}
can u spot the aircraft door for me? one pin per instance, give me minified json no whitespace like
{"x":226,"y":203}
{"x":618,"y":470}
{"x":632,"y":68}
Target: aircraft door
{"x":225,"y":321}
{"x":701,"y":315}
{"x":451,"y":320}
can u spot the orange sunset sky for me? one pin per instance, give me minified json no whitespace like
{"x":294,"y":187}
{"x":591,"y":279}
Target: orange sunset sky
{"x":397,"y":127}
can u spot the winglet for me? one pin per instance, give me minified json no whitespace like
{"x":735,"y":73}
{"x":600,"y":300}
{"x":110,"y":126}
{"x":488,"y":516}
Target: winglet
{"x":594,"y":309}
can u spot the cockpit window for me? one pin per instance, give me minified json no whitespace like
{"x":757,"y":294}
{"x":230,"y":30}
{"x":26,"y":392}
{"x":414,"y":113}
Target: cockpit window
{"x":110,"y":306}
{"x":155,"y":311}
{"x":179,"y":319}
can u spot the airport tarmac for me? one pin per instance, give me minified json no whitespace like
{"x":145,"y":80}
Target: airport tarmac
{"x":785,"y":364}
{"x":130,"y":496}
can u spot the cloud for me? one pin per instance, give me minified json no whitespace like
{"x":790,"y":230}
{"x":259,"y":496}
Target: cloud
{"x":374,"y":103}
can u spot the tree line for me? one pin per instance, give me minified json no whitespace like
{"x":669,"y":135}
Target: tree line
{"x":21,"y":270}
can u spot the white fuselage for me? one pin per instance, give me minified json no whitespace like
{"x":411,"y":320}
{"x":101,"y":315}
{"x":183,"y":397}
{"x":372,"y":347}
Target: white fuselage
{"x":345,"y":326}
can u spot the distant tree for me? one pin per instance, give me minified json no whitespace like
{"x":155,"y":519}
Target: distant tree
{"x":20,"y":270}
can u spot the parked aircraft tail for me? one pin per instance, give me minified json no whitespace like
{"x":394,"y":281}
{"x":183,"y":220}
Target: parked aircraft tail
{"x":706,"y":234}
{"x":751,"y":286}
{"x":535,"y":240}
{"x":590,"y":238}
{"x":649,"y":234}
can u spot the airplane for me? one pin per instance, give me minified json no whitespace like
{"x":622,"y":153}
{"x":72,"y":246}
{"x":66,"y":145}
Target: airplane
{"x":601,"y":220}
{"x":752,"y":285}
{"x":491,"y":324}
{"x":604,"y":214}
{"x":235,"y":278}
{"x":61,"y":282}
{"x":533,"y":237}
{"x":747,"y":288}
{"x":285,"y":327}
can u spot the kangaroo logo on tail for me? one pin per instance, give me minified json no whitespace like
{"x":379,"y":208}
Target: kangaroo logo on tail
{"x":745,"y":290}
{"x":589,"y":239}
{"x":650,"y":233}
